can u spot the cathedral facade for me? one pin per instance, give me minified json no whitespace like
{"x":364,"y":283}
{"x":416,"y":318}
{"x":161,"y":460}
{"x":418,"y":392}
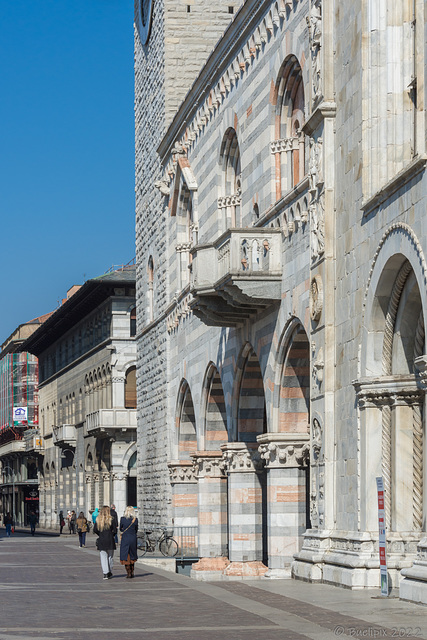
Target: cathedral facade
{"x":280,"y":228}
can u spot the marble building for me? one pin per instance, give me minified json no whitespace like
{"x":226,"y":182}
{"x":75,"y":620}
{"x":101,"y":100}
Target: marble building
{"x":281,"y":240}
{"x":87,"y":399}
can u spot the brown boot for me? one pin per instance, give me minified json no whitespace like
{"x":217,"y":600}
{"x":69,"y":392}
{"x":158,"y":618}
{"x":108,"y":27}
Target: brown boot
{"x":128,"y":570}
{"x":132,"y":570}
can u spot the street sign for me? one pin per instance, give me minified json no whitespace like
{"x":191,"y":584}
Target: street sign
{"x":382,"y":537}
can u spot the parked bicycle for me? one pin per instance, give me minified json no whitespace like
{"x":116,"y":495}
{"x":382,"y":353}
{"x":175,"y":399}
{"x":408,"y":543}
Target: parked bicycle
{"x":150,"y":540}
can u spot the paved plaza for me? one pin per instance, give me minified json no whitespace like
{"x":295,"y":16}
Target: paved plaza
{"x":52,"y":589}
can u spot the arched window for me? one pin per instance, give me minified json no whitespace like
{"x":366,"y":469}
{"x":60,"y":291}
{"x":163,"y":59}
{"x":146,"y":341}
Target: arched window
{"x":133,"y":322}
{"x":130,"y":388}
{"x":288,"y":146}
{"x":150,"y":291}
{"x":229,"y":201}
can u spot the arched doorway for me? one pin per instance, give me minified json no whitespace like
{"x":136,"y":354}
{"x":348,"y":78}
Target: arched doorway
{"x":392,"y":421}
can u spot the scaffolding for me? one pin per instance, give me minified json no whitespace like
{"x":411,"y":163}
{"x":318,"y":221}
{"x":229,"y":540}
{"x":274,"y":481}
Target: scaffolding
{"x":18,"y":389}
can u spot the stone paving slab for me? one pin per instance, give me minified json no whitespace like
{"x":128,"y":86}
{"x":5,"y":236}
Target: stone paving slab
{"x":49,"y":588}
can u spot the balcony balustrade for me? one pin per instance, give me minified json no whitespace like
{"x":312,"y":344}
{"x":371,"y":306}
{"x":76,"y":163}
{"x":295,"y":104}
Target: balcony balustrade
{"x":65,"y":434}
{"x":107,"y":422}
{"x":236,"y":276}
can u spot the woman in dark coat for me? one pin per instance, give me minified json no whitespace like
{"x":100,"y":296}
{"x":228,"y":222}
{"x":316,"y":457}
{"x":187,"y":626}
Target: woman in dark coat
{"x":105,"y":529}
{"x":129,"y":529}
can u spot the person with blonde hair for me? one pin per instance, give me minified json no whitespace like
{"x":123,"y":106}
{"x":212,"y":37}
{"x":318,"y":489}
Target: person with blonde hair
{"x":128,"y":548}
{"x":105,"y":529}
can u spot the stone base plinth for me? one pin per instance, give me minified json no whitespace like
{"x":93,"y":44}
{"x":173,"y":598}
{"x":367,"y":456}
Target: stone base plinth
{"x":245,"y":570}
{"x":278,"y":574}
{"x":413,"y":585}
{"x":209,"y":569}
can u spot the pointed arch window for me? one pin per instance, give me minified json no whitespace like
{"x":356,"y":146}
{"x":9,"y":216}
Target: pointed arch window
{"x":229,"y":200}
{"x":289,"y":144}
{"x":150,"y":289}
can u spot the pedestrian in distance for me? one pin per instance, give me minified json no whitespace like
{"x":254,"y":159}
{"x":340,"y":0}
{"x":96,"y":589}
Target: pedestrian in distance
{"x":73,"y":520}
{"x":32,"y":521}
{"x":106,"y":530}
{"x":128,"y":546}
{"x":61,"y":521}
{"x":82,"y":529}
{"x":116,"y":520}
{"x":8,"y":523}
{"x":94,"y":516}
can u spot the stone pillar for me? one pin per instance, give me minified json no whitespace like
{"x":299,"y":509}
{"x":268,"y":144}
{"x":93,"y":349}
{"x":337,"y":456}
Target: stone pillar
{"x":286,"y":457}
{"x":118,"y":390}
{"x":119,"y":492}
{"x":212,"y":515}
{"x":245,"y":510}
{"x":184,"y":493}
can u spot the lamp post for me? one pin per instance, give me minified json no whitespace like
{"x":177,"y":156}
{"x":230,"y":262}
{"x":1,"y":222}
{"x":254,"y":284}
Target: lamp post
{"x":4,"y":467}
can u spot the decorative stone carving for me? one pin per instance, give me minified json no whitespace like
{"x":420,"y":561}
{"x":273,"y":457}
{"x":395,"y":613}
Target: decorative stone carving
{"x":182,"y":472}
{"x":316,"y":438}
{"x":241,"y":457}
{"x":318,"y":366}
{"x":163,"y":187}
{"x":317,"y":226}
{"x":314,"y":21}
{"x":316,"y":298}
{"x":209,"y":464}
{"x":421,"y":370}
{"x":181,"y":311}
{"x":315,"y":165}
{"x":290,"y":450}
{"x":179,"y":149}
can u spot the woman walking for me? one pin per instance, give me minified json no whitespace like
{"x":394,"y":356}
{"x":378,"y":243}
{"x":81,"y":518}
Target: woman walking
{"x":128,"y":548}
{"x":106,"y":530}
{"x":82,"y":528}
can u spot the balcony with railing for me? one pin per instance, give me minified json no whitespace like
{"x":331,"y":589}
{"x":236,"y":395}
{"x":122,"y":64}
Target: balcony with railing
{"x":64,"y":434}
{"x":236,"y":276}
{"x":106,"y":422}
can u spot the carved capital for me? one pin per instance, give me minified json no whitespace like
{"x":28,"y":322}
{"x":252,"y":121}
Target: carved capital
{"x":421,"y":371}
{"x":182,"y":472}
{"x":209,"y":464}
{"x":280,"y":450}
{"x":399,"y":390}
{"x":242,"y":457}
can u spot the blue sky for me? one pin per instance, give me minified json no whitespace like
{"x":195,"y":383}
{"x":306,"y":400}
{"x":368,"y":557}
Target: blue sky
{"x":66,"y":149}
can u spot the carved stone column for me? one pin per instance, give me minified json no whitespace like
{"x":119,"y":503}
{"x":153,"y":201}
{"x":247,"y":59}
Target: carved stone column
{"x":286,"y":458}
{"x":212,"y":514}
{"x":184,"y":493}
{"x":246,"y":486}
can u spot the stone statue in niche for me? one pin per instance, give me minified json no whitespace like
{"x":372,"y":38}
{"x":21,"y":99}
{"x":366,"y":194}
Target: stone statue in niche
{"x":316,"y":439}
{"x":317,"y":226}
{"x":314,"y":21}
{"x":316,"y":298}
{"x":315,"y":165}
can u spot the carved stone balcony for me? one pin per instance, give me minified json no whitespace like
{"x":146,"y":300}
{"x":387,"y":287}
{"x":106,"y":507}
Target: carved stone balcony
{"x":236,"y":276}
{"x":65,"y":434}
{"x":110,"y":422}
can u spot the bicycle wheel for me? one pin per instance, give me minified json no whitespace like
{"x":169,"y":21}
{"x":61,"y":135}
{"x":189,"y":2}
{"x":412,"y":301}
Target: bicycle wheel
{"x":168,"y":547}
{"x":142,"y":545}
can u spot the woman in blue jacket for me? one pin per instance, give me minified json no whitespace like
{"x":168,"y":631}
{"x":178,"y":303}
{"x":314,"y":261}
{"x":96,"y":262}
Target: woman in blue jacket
{"x":129,"y":529}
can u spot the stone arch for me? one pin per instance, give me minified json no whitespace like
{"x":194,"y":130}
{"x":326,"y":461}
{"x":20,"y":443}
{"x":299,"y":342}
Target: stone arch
{"x":250,"y":417}
{"x":292,"y":385}
{"x":390,"y":397}
{"x":185,"y":423}
{"x":214,"y":410}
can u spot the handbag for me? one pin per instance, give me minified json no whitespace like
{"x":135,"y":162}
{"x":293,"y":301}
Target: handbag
{"x":121,"y":535}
